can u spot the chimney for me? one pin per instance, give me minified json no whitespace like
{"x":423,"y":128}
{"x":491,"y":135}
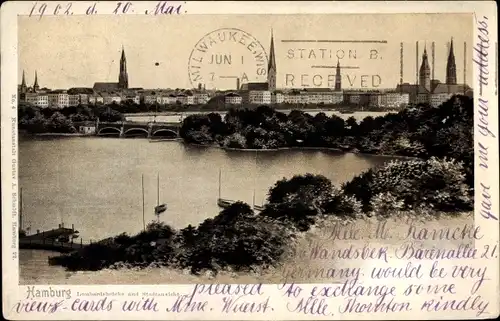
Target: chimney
{"x":401,"y":67}
{"x":238,"y":83}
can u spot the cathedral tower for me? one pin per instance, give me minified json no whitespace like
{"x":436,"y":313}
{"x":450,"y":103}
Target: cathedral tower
{"x":425,"y":72}
{"x":271,"y":68}
{"x":123,"y":77}
{"x":35,"y":84}
{"x":338,"y":79}
{"x":451,"y":67}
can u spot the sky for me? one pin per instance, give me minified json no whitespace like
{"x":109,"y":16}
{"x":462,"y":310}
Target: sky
{"x":77,"y":51}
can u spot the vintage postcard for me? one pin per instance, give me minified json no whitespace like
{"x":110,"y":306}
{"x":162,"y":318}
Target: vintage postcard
{"x":249,"y":160}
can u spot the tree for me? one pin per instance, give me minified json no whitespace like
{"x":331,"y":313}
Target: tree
{"x":59,"y":123}
{"x":299,"y":198}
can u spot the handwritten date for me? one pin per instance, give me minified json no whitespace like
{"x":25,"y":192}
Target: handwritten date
{"x":120,"y":8}
{"x":42,"y":9}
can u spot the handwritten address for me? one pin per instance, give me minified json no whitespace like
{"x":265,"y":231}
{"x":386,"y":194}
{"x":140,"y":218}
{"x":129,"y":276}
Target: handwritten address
{"x":481,"y":60}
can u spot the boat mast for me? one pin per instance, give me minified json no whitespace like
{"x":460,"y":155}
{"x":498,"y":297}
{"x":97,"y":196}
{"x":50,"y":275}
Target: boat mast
{"x":158,"y":196}
{"x":219,"y":181}
{"x":143,"y":210}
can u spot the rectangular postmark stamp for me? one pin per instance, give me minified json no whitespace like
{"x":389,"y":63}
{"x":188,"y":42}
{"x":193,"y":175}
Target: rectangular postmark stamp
{"x":249,"y":161}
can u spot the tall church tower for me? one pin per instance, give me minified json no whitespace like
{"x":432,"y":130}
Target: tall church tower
{"x":24,"y":88}
{"x":35,"y":84}
{"x":123,"y":77}
{"x":271,"y":68}
{"x":451,"y":67}
{"x":338,"y":79}
{"x":425,"y":72}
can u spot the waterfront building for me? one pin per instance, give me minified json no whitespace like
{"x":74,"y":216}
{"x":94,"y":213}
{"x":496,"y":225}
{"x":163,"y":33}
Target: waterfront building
{"x":394,"y":100}
{"x":376,"y":100}
{"x":200,"y":98}
{"x":163,"y":100}
{"x":136,"y":99}
{"x":295,"y":97}
{"x":353,"y":98}
{"x":437,"y":99}
{"x":84,"y":99}
{"x":277,"y":97}
{"x":110,"y":98}
{"x":42,"y":100}
{"x":182,"y":99}
{"x":150,"y":98}
{"x":87,"y":129}
{"x":321,"y":96}
{"x":74,"y":100}
{"x":96,"y":99}
{"x":172,"y":99}
{"x":58,"y":99}
{"x":30,"y":98}
{"x":233,"y":99}
{"x":256,"y":97}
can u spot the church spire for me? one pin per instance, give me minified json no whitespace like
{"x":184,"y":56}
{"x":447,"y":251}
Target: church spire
{"x":451,"y":67}
{"x":35,"y":84}
{"x":24,"y":88}
{"x":271,"y":68}
{"x":272,"y":59}
{"x":123,"y":76}
{"x":338,"y":79}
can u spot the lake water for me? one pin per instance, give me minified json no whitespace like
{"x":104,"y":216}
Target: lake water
{"x":95,"y":184}
{"x":175,"y":118}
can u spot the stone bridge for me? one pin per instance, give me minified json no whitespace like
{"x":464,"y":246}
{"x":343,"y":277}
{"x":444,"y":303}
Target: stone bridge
{"x":137,"y":129}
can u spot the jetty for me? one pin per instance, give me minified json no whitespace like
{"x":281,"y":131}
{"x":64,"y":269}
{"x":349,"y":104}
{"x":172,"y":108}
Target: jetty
{"x":59,"y":239}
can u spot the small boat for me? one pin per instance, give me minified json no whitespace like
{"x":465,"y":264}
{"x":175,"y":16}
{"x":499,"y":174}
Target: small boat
{"x":259,"y":208}
{"x":223,"y":203}
{"x":160,"y":209}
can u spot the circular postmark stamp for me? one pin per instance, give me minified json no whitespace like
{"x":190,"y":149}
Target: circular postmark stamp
{"x":225,"y":55}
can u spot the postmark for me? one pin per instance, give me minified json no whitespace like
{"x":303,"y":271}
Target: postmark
{"x":222,"y":56}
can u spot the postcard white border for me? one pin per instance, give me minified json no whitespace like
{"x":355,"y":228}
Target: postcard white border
{"x":9,"y":12}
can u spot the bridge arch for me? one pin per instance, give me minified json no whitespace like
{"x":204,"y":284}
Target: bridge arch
{"x":169,"y":133}
{"x":136,"y":131}
{"x":109,"y":131}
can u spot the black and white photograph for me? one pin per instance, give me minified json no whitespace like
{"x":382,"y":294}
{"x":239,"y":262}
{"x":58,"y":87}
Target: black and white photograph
{"x":320,"y":148}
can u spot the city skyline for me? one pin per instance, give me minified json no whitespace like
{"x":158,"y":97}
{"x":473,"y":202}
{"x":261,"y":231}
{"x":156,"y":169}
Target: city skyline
{"x":149,"y":69}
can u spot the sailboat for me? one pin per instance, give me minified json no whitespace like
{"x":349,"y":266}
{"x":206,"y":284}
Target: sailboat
{"x":223,"y":203}
{"x":159,"y":208}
